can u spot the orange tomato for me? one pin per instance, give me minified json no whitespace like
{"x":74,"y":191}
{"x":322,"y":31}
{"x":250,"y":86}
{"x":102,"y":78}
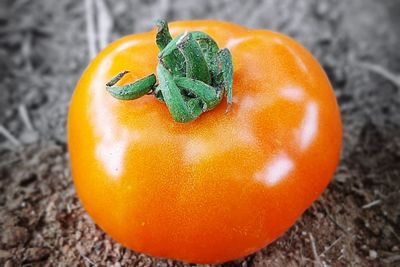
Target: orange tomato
{"x":224,"y":185}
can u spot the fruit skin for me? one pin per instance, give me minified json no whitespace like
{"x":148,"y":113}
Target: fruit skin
{"x":224,"y":185}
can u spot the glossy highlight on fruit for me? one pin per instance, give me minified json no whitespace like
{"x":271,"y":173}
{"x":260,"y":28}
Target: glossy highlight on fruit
{"x":224,"y":185}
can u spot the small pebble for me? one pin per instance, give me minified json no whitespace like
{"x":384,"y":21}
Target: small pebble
{"x":78,"y":235}
{"x":373,"y":254}
{"x":65,"y":249}
{"x":162,"y":264}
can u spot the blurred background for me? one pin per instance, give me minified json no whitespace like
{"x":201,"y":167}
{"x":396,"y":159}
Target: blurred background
{"x":44,"y":47}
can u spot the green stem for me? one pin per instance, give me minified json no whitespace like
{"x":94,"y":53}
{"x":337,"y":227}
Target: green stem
{"x":208,"y":46}
{"x":196,"y":65}
{"x":180,"y":110}
{"x":198,"y":36}
{"x":225,"y":59}
{"x":193,"y":74}
{"x":205,"y":92}
{"x":163,"y":36}
{"x":174,"y":61}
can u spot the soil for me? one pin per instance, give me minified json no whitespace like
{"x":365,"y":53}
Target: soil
{"x":43,"y":51}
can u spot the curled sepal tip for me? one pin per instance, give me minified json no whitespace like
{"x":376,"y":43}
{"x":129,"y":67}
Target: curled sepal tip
{"x":163,"y":36}
{"x":133,"y":90}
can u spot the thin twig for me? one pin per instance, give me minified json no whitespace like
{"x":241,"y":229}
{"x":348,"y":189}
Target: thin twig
{"x":392,"y":259}
{"x":8,"y":162}
{"x":104,"y":23}
{"x":314,"y":250}
{"x":371,"y":204}
{"x":9,"y":136}
{"x":337,"y":224}
{"x":23,"y":113}
{"x":394,"y":233}
{"x":88,"y":260}
{"x":329,"y":215}
{"x":90,"y":31}
{"x":26,"y":50}
{"x":331,"y":246}
{"x":395,"y":79}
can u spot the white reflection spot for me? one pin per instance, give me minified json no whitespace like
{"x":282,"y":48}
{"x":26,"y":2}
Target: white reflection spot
{"x":194,"y":150}
{"x":309,"y":125}
{"x":111,"y":152}
{"x":275,"y":170}
{"x":246,"y":135}
{"x":112,"y":155}
{"x":292,"y":94}
{"x":234,"y":42}
{"x":245,"y":132}
{"x":113,"y":141}
{"x":277,"y":40}
{"x":247,"y":103}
